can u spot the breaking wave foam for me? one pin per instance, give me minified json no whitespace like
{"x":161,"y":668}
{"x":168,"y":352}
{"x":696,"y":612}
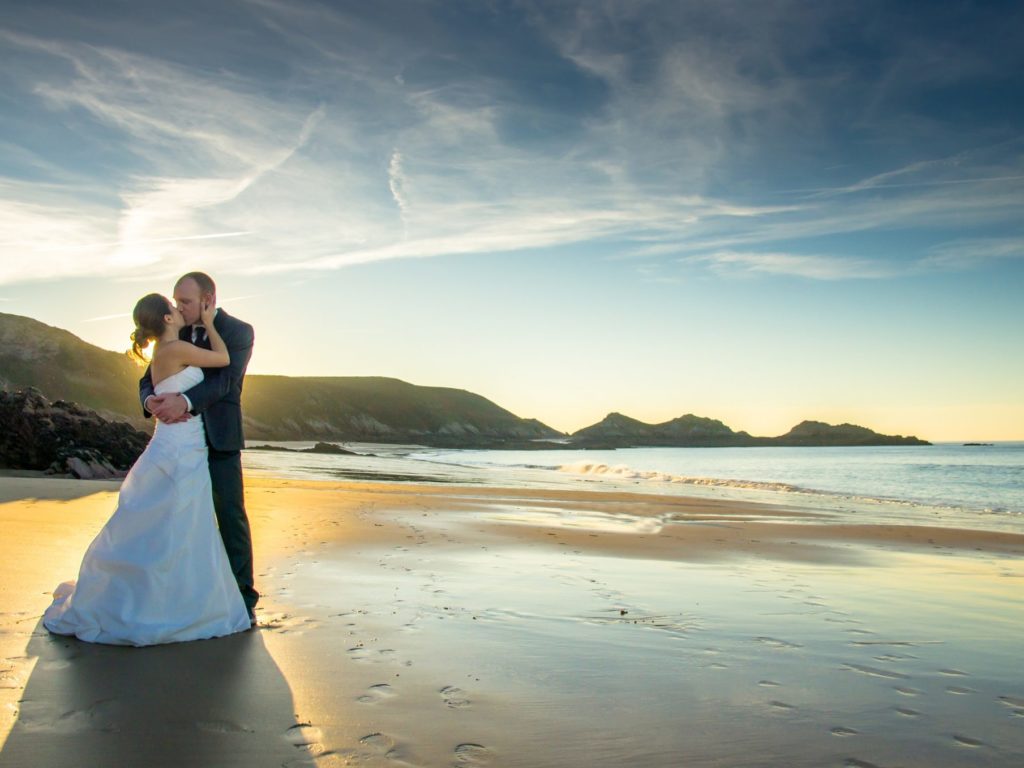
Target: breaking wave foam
{"x":624,"y":472}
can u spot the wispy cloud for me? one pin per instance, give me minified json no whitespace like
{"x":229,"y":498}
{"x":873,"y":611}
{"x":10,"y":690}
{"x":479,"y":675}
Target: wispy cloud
{"x":357,"y":139}
{"x":103,"y":318}
{"x":813,"y":267}
{"x":122,"y":315}
{"x":968,"y":254}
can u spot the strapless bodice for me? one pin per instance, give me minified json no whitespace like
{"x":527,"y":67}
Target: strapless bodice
{"x":189,"y":433}
{"x":180,"y":381}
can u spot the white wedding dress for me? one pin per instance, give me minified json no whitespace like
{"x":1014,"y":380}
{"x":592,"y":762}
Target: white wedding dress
{"x":157,"y":572}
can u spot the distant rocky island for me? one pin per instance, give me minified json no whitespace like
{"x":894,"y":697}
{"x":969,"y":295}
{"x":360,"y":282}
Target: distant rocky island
{"x":371,"y":409}
{"x":689,"y":431}
{"x":321,"y":447}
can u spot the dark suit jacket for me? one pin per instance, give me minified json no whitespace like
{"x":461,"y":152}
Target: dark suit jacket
{"x":219,"y":396}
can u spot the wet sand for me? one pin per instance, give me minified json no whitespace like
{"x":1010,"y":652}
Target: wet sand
{"x":415,"y":625}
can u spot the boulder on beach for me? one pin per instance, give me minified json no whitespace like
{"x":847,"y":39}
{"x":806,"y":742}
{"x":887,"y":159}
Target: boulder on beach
{"x":61,"y":437}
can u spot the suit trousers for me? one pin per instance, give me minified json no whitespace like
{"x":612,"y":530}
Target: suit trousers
{"x":229,"y":505}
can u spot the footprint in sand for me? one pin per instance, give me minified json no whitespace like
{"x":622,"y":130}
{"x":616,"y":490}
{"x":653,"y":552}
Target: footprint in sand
{"x":101,"y":716}
{"x":327,"y":759}
{"x":9,"y":678}
{"x":1016,"y":703}
{"x":895,"y":657}
{"x":49,"y":666}
{"x":967,"y":741}
{"x":305,"y":736}
{"x":454,"y":697}
{"x":377,"y":744}
{"x":875,"y":672}
{"x":376,"y":693}
{"x":362,"y":653}
{"x":222,"y":726}
{"x":774,"y":642}
{"x":468,"y":754}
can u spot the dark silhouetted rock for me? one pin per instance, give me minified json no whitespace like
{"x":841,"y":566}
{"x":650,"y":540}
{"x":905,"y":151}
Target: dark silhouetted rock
{"x":618,"y":431}
{"x":63,"y":437}
{"x":818,"y":433}
{"x":330,"y":448}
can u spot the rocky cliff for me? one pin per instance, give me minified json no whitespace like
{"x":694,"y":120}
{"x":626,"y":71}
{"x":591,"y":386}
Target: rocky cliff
{"x":64,"y":437}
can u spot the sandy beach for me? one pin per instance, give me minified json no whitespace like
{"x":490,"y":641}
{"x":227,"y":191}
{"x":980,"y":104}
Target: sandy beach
{"x":423,"y":625}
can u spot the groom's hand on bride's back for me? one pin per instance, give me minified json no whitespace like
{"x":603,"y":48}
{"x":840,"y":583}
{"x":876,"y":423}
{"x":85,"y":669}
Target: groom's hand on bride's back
{"x":169,"y":408}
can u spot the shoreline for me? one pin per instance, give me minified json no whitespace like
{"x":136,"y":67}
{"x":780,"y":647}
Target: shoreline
{"x":956,"y":486}
{"x":431,"y":625}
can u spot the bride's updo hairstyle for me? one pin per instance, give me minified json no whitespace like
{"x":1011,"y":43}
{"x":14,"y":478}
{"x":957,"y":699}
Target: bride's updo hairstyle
{"x":149,"y":322}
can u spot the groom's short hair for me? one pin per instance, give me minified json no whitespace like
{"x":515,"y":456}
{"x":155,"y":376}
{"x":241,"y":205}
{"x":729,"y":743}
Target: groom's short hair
{"x":203,"y":280}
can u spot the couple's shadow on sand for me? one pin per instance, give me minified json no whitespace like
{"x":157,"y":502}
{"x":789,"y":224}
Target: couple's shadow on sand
{"x":206,"y":703}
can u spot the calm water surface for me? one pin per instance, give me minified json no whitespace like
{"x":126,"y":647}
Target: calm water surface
{"x":946,"y":484}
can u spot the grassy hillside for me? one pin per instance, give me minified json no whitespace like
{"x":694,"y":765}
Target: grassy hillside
{"x":63,"y":367}
{"x":376,"y":408}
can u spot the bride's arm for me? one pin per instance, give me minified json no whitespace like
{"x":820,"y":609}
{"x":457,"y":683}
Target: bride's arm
{"x":215,"y":357}
{"x":190,"y":354}
{"x":221,"y":383}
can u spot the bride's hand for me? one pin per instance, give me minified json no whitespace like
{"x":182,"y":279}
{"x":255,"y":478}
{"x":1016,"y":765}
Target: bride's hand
{"x":207,"y":312}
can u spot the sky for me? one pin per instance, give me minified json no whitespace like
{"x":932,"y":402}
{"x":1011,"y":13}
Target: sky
{"x":760,"y":212}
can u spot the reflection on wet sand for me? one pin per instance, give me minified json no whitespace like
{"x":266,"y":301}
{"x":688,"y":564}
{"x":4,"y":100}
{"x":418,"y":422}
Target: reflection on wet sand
{"x":447,"y":626}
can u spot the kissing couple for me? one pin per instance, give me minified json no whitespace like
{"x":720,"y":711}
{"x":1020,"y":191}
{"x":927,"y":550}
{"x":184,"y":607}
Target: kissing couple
{"x":174,"y":562}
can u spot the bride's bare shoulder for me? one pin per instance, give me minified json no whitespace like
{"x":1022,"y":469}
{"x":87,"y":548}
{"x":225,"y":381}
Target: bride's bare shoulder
{"x":168,"y":359}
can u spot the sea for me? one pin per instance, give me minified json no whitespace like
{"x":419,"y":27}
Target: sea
{"x":947,"y":484}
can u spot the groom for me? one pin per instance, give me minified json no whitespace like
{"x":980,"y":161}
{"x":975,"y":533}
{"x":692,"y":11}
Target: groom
{"x":219,"y":399}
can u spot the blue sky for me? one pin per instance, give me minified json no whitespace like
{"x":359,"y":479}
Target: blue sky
{"x":757,"y":211}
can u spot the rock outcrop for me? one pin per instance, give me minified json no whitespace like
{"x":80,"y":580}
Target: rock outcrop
{"x":63,"y":437}
{"x":818,"y":433}
{"x":689,"y":431}
{"x":618,"y":431}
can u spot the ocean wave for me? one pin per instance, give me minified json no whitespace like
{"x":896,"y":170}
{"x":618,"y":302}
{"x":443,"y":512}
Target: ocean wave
{"x":624,"y":472}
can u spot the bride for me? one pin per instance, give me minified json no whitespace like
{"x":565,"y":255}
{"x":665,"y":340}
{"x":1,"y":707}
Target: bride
{"x":157,"y":572}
